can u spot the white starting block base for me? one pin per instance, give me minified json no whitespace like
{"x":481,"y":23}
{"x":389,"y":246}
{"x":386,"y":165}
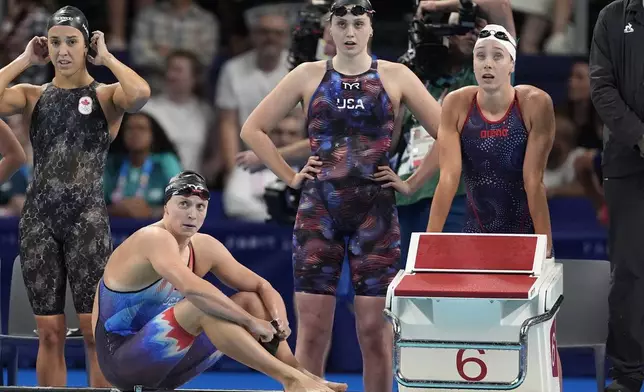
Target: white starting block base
{"x":460,"y":326}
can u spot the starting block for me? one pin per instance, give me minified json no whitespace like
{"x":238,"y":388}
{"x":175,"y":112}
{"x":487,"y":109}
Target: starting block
{"x":476,"y":311}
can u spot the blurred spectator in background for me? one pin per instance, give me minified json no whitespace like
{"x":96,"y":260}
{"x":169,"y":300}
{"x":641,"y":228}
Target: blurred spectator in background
{"x":246,"y":79}
{"x":24,"y":20}
{"x":184,"y":115}
{"x":167,"y":26}
{"x":560,"y":178}
{"x":141,"y":162}
{"x":243,"y":196}
{"x":580,"y":107}
{"x":544,"y":24}
{"x":588,"y":172}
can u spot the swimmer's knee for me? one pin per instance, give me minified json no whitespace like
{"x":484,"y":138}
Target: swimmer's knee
{"x":51,"y":331}
{"x":251,"y":302}
{"x":372,"y":328}
{"x":314,"y":319}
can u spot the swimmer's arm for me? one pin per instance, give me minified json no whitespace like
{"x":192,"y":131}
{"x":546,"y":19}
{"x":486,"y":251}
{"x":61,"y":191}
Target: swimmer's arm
{"x":13,"y":99}
{"x":449,"y":156}
{"x":540,"y":140}
{"x":236,"y":276}
{"x":418,"y":100}
{"x":13,"y":156}
{"x":131,"y":92}
{"x":299,"y":150}
{"x":273,"y":108}
{"x":162,"y":251}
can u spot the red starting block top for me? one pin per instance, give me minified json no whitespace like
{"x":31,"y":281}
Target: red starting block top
{"x":448,"y":285}
{"x":494,"y":253}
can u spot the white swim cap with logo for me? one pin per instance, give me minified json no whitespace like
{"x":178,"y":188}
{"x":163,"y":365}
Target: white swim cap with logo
{"x":499,"y":34}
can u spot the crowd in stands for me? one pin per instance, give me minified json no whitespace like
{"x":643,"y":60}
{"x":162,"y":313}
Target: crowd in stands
{"x":209,"y":64}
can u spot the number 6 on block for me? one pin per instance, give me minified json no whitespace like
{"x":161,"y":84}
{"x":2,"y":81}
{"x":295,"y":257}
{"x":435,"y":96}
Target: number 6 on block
{"x":474,"y":375}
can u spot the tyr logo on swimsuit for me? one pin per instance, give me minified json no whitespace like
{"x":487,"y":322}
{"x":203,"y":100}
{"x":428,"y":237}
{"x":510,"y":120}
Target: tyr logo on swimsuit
{"x":351,"y":86}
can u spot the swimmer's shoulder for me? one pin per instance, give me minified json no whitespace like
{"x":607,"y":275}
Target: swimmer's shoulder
{"x":527,"y":93}
{"x":305,"y":77}
{"x":395,"y":71}
{"x":207,"y":245}
{"x":389,"y":66}
{"x":533,"y":101}
{"x":154,"y":235}
{"x":460,"y":99}
{"x":309,"y":70}
{"x":31,"y":91}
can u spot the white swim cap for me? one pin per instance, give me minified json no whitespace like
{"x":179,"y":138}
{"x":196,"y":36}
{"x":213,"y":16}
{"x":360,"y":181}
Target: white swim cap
{"x":499,"y":34}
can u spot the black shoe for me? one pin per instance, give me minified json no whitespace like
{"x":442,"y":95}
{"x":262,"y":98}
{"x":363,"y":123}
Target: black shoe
{"x":624,"y":385}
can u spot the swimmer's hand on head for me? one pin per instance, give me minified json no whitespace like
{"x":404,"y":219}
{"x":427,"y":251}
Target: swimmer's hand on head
{"x":37,"y":51}
{"x":97,"y":43}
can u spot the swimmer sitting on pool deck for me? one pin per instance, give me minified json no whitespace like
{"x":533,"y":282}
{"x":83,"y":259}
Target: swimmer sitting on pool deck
{"x":158,"y":323}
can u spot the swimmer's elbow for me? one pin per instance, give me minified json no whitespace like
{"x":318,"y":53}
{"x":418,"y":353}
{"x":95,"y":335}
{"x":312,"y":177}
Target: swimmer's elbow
{"x":140,"y":97}
{"x":533,"y":185}
{"x":450,"y":176}
{"x":263,"y":285}
{"x":249,"y":132}
{"x":136,"y":98}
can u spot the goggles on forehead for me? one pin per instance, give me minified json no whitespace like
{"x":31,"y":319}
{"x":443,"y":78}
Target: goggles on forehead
{"x":356,"y":10}
{"x":497,"y":34}
{"x":193,"y":190}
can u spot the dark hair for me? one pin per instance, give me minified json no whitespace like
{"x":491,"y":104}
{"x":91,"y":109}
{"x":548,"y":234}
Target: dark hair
{"x":196,"y":67}
{"x":160,"y":141}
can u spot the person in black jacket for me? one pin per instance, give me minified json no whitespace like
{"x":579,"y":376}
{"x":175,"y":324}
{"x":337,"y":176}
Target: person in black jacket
{"x":617,"y":91}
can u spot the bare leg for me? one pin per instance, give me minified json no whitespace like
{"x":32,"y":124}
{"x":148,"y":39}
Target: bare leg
{"x":51,"y":370}
{"x":314,"y":326}
{"x":235,"y":342}
{"x":375,"y":335}
{"x":253,"y":304}
{"x":96,"y":378}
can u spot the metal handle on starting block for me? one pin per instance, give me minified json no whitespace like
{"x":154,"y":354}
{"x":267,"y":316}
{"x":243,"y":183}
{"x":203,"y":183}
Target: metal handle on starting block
{"x":521,"y":346}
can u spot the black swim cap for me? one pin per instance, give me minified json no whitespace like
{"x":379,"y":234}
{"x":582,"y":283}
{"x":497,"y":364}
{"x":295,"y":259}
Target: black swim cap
{"x":187,"y":183}
{"x":366,"y":4}
{"x":70,"y":16}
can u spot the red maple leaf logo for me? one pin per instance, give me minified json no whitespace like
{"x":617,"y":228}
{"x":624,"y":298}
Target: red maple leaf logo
{"x":176,"y":332}
{"x":85,"y":101}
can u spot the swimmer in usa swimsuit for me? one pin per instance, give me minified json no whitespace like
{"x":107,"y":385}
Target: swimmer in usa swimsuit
{"x":351,"y":102}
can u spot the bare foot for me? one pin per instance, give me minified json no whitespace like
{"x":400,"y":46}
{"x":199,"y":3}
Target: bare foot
{"x":306,"y":384}
{"x":336,"y":387}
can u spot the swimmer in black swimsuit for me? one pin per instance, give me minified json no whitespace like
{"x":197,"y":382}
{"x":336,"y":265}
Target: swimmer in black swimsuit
{"x":64,"y":229}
